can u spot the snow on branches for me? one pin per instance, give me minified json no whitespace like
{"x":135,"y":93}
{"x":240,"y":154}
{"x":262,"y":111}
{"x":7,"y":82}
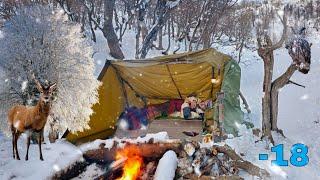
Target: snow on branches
{"x":41,"y":41}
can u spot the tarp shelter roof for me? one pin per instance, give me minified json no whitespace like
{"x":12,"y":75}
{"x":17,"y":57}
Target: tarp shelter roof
{"x":152,"y":81}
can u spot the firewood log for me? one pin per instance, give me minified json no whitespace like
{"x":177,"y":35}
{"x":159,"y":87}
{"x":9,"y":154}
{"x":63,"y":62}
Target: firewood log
{"x":194,"y":177}
{"x":118,"y":164}
{"x":184,"y":166}
{"x":149,"y":171}
{"x":150,"y":151}
{"x":242,"y":164}
{"x":189,"y":148}
{"x":200,"y":161}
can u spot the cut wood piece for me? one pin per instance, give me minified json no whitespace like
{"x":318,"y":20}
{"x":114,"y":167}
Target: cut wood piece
{"x":189,"y":148}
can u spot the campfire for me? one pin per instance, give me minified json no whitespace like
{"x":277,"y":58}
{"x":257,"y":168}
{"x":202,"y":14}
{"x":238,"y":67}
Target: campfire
{"x":132,"y":160}
{"x":148,"y":160}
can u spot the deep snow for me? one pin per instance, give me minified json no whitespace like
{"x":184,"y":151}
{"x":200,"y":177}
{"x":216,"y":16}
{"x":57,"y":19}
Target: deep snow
{"x":57,"y":156}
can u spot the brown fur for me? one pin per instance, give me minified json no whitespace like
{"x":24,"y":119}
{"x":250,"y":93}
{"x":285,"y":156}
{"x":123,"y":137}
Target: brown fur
{"x":24,"y":118}
{"x":33,"y":118}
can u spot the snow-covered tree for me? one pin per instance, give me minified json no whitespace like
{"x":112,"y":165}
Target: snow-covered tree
{"x":41,"y":41}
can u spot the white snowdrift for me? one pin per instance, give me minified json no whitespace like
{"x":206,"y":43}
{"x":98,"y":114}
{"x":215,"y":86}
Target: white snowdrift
{"x":167,"y":166}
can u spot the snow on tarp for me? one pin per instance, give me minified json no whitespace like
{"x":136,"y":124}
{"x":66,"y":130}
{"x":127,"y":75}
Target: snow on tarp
{"x":57,"y":156}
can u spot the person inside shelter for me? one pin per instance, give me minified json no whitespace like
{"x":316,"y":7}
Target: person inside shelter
{"x":194,"y":108}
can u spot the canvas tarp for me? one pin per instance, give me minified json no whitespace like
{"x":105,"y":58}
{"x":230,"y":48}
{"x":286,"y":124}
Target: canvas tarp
{"x":156,"y":80}
{"x":233,"y":116}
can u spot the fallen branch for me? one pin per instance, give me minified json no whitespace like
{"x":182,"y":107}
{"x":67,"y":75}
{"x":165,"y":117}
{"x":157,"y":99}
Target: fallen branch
{"x":242,"y":164}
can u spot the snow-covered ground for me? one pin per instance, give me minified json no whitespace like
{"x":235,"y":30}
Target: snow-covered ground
{"x":299,"y":117}
{"x":299,"y":113}
{"x":57,"y":156}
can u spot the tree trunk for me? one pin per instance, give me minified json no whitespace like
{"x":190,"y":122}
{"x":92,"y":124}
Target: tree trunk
{"x":172,"y":26}
{"x":268,"y":61}
{"x":152,"y":35}
{"x":108,"y":30}
{"x":265,"y":51}
{"x":266,"y":99}
{"x":279,"y":83}
{"x":169,"y":41}
{"x":160,"y":46}
{"x":138,"y":41}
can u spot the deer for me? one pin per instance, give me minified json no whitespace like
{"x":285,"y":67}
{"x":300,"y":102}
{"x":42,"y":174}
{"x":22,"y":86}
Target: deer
{"x":29,"y":119}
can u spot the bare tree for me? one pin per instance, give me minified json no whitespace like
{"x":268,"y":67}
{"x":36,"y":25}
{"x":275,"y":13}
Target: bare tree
{"x":108,"y":30}
{"x":163,"y":11}
{"x":45,"y":44}
{"x":265,"y":50}
{"x":301,"y":61}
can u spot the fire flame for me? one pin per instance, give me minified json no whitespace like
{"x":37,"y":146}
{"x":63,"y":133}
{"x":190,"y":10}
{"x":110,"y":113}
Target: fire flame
{"x":132,"y":165}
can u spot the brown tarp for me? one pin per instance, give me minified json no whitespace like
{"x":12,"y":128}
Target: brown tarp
{"x":152,"y":81}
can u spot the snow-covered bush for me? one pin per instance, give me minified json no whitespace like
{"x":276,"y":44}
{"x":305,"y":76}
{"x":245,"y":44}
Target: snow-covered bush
{"x":41,"y":41}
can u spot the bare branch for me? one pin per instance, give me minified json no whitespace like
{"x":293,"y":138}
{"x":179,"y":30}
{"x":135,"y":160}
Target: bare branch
{"x":245,"y":102}
{"x":292,"y":82}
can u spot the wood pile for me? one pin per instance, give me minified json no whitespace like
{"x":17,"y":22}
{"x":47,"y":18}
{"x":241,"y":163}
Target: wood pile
{"x":214,"y":162}
{"x":221,"y":162}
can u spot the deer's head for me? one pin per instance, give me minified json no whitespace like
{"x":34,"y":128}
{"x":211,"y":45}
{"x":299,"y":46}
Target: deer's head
{"x":46,"y":92}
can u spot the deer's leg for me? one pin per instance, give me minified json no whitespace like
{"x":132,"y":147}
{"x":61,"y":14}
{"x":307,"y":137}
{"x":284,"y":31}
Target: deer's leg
{"x":16,"y":136}
{"x":13,"y":144}
{"x":28,"y":145}
{"x":39,"y":142}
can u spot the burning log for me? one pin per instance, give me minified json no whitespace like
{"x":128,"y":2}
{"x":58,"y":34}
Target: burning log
{"x":157,"y":150}
{"x":149,"y":171}
{"x":132,"y":160}
{"x":215,"y":162}
{"x":118,"y":164}
{"x":102,"y":155}
{"x":149,"y":151}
